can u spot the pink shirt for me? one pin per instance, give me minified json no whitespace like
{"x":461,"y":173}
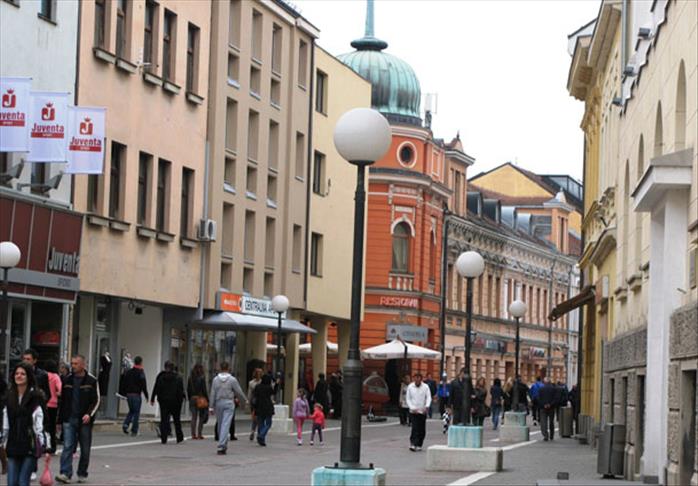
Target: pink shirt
{"x":54,"y":385}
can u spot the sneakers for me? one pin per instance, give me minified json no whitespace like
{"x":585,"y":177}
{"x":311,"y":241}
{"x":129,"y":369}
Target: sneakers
{"x":221,"y":452}
{"x":33,"y":477}
{"x":413,"y":448}
{"x":418,"y":448}
{"x":299,"y":442}
{"x":62,"y":478}
{"x":82,"y":479}
{"x":125,"y":429}
{"x":312,"y":442}
{"x":251,"y":435}
{"x":322,"y":444}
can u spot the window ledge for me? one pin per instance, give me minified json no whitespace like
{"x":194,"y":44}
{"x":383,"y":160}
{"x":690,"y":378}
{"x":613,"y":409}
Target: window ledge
{"x":234,"y":47}
{"x":170,"y":87}
{"x":126,"y":66}
{"x":104,"y":55}
{"x":228,"y":188}
{"x":231,"y":152}
{"x":302,"y":87}
{"x":273,"y":170}
{"x":252,"y":160}
{"x":255,"y":95}
{"x":299,"y":178}
{"x":152,"y":78}
{"x":165,"y":237}
{"x":275,"y":105}
{"x":43,"y":17}
{"x":276,"y":74}
{"x":226,"y":258}
{"x":399,"y":273}
{"x":96,"y":220}
{"x":146,"y":232}
{"x":14,"y":3}
{"x":250,"y":195}
{"x":297,"y":271}
{"x":271,"y":204}
{"x":256,"y":61}
{"x":188,"y":243}
{"x":233,"y":83}
{"x":118,"y":225}
{"x":194,"y":98}
{"x":316,"y":275}
{"x":621,"y":293}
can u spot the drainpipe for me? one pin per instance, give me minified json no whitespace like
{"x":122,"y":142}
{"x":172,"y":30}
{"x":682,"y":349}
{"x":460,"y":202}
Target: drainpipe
{"x":75,"y":96}
{"x":550,"y":323}
{"x":444,"y":283}
{"x":204,"y":247}
{"x":308,"y":187}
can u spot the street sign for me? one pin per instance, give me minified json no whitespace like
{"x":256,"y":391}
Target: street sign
{"x":406,"y":332}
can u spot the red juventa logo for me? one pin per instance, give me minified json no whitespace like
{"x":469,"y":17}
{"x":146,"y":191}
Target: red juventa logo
{"x":86,"y":127}
{"x":9,"y":100}
{"x":48,"y":112}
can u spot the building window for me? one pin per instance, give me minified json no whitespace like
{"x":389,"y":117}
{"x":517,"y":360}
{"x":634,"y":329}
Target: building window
{"x":234,"y":23}
{"x":252,"y":135}
{"x":270,"y":243}
{"x":275,"y":93}
{"x":229,"y":174}
{"x":192,"y":58}
{"x":100,"y":23}
{"x":407,"y":154}
{"x":296,"y":250}
{"x":118,"y":152}
{"x":185,"y":209}
{"x":303,"y":64}
{"x":251,"y":186}
{"x":228,"y":230}
{"x":276,"y":49}
{"x":169,"y":39}
{"x":319,"y":173}
{"x":226,"y":276}
{"x":255,"y":82}
{"x":432,"y":258}
{"x":92,"y":192}
{"x":249,"y":246}
{"x":233,"y":70}
{"x":300,"y":155}
{"x":273,"y":156}
{"x":321,"y":92}
{"x":316,"y":255}
{"x":48,"y":10}
{"x":122,"y":11}
{"x":401,"y":247}
{"x":144,"y":165}
{"x":256,"y":35}
{"x":268,"y":284}
{"x":272,"y":190}
{"x":231,"y":125}
{"x":162,"y":219}
{"x":248,"y":280}
{"x":457,"y":192}
{"x":151,"y":9}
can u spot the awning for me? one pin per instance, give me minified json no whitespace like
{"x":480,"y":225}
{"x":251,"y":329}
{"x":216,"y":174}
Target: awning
{"x":306,"y":348}
{"x":586,"y":296}
{"x":397,"y":349}
{"x":244,"y":322}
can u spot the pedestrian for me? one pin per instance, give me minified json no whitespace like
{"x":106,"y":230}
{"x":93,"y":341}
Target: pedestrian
{"x":224,"y":389}
{"x":134,"y":384}
{"x":3,"y":402}
{"x":533,"y":393}
{"x":198,"y":401}
{"x":263,"y":408}
{"x":301,"y":411}
{"x":404,"y":408}
{"x":63,"y":369}
{"x":547,"y":399}
{"x":169,"y":393}
{"x":456,"y":400}
{"x":564,"y":395}
{"x":574,"y":402}
{"x":418,"y":398}
{"x":496,"y":394}
{"x":429,"y":381}
{"x":523,"y":397}
{"x":508,"y":394}
{"x":256,"y":380}
{"x":31,"y":356}
{"x":23,"y":425}
{"x":76,"y":411}
{"x":443,"y":391}
{"x":318,"y":418}
{"x":477,"y":402}
{"x":336,"y":392}
{"x":321,"y":392}
{"x":55,"y":386}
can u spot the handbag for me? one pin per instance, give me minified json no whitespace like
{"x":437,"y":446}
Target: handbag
{"x":35,"y":446}
{"x":201,"y":402}
{"x":46,"y":477}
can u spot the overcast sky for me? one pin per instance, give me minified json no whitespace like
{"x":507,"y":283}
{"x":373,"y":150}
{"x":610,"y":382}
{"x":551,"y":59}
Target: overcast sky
{"x":499,"y":68}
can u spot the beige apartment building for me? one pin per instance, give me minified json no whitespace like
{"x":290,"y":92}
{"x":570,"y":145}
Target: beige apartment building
{"x":139,"y":269}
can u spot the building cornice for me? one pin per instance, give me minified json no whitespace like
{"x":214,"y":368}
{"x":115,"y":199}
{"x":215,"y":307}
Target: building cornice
{"x":408,"y":177}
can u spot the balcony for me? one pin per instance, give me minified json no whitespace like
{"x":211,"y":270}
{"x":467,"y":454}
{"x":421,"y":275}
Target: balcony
{"x":400,"y":281}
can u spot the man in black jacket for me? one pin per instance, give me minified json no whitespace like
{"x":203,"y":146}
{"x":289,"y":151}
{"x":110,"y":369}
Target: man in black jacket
{"x":548,"y":398}
{"x":169,"y":392}
{"x":320,"y":394}
{"x":134,"y":384}
{"x":76,"y":411}
{"x":456,"y":398}
{"x":31,"y":357}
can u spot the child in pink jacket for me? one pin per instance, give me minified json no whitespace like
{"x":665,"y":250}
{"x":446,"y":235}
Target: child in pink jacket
{"x":318,"y":418}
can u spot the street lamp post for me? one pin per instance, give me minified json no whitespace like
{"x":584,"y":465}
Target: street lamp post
{"x":361,"y":136}
{"x":280,"y":305}
{"x":518,"y":310}
{"x":9,"y":258}
{"x":469,"y":265}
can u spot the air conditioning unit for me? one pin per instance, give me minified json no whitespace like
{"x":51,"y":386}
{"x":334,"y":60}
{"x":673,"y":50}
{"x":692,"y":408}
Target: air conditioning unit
{"x":207,"y":230}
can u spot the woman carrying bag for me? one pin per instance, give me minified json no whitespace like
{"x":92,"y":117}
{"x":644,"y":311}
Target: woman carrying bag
{"x":198,"y":401}
{"x":23,"y":426}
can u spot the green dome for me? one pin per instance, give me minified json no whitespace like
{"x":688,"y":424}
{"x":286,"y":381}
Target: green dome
{"x":395,"y":90}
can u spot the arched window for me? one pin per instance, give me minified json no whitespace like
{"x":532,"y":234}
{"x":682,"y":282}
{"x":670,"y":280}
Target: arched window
{"x":401,"y":247}
{"x":638,"y":215}
{"x":680,"y":115}
{"x":658,"y":133}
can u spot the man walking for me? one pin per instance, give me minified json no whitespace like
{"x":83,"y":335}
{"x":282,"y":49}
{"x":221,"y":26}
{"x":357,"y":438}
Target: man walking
{"x":429,"y":381}
{"x":456,"y":401}
{"x":31,"y":356}
{"x":533,"y":391}
{"x":169,"y":392}
{"x":320,"y":394}
{"x":418,"y":402}
{"x":133,"y":385}
{"x":79,"y":402}
{"x":443,"y":393}
{"x":547,"y":399}
{"x":223,"y":391}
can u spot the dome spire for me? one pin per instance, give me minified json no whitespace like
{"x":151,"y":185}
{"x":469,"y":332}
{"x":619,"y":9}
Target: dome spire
{"x":369,"y":42}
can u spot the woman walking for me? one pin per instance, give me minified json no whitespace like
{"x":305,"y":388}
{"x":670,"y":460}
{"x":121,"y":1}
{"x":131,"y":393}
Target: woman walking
{"x":54,"y":385}
{"x":198,"y":401}
{"x":479,"y":396}
{"x":301,"y":411}
{"x":263,"y":408}
{"x":496,"y":394}
{"x":256,"y":380}
{"x":23,"y":426}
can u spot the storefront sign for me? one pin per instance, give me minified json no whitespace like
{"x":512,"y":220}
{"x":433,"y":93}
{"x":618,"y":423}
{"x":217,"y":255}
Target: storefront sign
{"x":63,"y":262}
{"x":14,"y":114}
{"x":227,"y":301}
{"x":392,"y":301}
{"x":406,"y":332}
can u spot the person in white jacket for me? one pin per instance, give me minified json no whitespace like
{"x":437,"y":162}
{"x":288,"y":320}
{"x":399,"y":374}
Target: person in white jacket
{"x":418,"y":401}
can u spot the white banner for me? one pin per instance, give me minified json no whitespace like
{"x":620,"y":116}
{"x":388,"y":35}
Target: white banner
{"x":86,"y":130}
{"x":14,"y":114}
{"x":48,"y":117}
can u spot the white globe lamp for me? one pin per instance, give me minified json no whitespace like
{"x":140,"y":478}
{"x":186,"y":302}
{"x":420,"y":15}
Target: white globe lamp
{"x":362,"y":136}
{"x":9,"y":254}
{"x":518,"y":309}
{"x":470,"y":264}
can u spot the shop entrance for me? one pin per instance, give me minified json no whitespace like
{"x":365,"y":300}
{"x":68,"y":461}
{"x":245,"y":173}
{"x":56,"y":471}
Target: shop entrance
{"x":211,"y":348}
{"x":18,"y":332}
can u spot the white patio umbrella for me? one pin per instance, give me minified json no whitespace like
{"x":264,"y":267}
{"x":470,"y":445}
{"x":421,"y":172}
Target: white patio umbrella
{"x":398,"y":349}
{"x":306,"y":348}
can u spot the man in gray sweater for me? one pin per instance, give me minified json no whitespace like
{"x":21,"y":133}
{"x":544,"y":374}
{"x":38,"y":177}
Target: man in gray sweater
{"x":223,"y":390}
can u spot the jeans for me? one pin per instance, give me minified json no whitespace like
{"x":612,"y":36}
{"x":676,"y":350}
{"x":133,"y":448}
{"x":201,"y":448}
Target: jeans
{"x":168,"y":410}
{"x":547,"y":422}
{"x":496,"y":410}
{"x":263,"y":426}
{"x":419,"y":422}
{"x":75,"y":431}
{"x":316,"y":428}
{"x":134,"y":412}
{"x":224,"y":417}
{"x":19,"y":470}
{"x":404,"y":415}
{"x":198,"y":418}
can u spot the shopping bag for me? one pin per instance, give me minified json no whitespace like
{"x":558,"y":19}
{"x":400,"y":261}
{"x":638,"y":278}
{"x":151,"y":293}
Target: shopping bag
{"x":46,"y":477}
